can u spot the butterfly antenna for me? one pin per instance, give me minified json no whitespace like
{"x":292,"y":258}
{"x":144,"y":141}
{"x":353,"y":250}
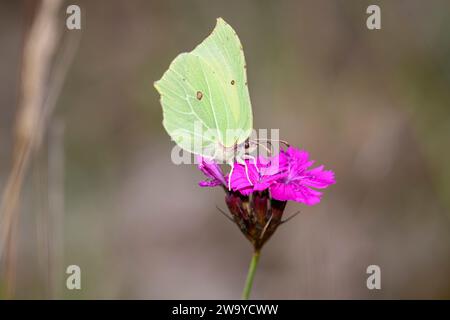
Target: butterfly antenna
{"x":270,"y":151}
{"x":275,"y":140}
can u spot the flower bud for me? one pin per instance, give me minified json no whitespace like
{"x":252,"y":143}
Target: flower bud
{"x":256,"y":215}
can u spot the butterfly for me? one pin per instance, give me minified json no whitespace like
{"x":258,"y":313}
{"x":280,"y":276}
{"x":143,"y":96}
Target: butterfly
{"x":205,"y":99}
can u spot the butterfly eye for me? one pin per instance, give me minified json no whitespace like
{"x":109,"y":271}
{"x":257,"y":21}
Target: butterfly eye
{"x":247,"y":144}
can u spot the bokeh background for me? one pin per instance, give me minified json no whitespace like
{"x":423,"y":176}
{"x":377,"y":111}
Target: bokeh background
{"x":373,"y":106}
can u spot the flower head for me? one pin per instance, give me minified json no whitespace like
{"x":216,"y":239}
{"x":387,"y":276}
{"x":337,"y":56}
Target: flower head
{"x":287,"y":176}
{"x":261,"y":187}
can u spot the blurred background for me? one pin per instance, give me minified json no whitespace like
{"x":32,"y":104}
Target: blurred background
{"x":100,"y":190}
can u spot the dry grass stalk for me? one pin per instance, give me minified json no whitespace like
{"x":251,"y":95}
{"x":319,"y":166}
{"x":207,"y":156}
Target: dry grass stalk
{"x":39,"y":48}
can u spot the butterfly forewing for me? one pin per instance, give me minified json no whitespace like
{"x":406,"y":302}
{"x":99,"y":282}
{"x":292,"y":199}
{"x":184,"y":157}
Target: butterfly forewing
{"x":204,"y":94}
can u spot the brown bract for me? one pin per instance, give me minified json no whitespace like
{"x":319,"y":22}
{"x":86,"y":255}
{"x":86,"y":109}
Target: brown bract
{"x":257,"y":215}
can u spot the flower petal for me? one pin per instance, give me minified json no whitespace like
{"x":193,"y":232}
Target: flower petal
{"x":293,"y":192}
{"x":318,"y":178}
{"x":260,"y":175}
{"x":212,"y":171}
{"x":239,"y":180}
{"x":297,"y":185}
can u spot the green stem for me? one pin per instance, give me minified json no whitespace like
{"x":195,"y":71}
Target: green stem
{"x":250,"y":276}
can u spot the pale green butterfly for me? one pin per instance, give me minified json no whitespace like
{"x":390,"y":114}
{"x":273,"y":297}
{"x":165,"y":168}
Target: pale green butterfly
{"x":205,"y":99}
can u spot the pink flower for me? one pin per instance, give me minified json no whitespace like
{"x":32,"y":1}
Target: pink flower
{"x":287,"y":176}
{"x":212,"y":171}
{"x":262,"y":175}
{"x":299,"y":182}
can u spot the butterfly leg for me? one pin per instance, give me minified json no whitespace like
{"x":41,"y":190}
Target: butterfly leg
{"x":252,"y":158}
{"x":241,"y":160}
{"x":229,"y":176}
{"x":246,"y":173}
